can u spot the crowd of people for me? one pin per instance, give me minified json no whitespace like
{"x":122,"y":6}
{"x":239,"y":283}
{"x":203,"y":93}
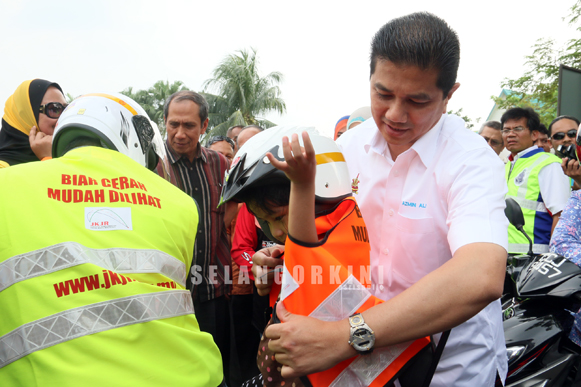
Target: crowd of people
{"x":274,"y":257}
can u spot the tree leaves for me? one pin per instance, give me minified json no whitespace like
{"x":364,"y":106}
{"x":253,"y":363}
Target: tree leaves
{"x":242,"y":95}
{"x":538,"y":87}
{"x":153,"y":99}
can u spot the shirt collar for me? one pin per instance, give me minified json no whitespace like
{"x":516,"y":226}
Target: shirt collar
{"x":425,"y":146}
{"x":524,"y":153}
{"x":175,"y":157}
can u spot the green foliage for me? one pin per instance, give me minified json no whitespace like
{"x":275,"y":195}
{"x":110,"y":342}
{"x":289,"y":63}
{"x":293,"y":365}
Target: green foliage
{"x":242,"y":96}
{"x":538,"y":87}
{"x":153,"y":99}
{"x":69,"y":98}
{"x":467,"y":120}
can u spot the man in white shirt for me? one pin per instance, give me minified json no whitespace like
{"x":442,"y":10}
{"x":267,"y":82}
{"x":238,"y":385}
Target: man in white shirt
{"x":432,"y":196}
{"x":534,"y":179}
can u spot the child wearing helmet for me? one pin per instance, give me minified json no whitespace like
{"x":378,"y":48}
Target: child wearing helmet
{"x":306,"y":201}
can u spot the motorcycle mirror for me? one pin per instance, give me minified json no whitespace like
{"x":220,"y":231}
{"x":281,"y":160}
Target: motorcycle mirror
{"x":514,"y":213}
{"x":515,"y":216}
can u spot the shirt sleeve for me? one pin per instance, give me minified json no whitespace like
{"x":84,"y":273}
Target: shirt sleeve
{"x":476,"y":200}
{"x":566,"y":239}
{"x":555,"y":187}
{"x":245,"y":240}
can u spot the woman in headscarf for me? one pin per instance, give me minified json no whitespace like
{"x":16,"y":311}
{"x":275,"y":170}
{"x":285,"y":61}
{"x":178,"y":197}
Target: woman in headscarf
{"x":358,"y":116}
{"x":340,"y":127}
{"x":30,"y":116}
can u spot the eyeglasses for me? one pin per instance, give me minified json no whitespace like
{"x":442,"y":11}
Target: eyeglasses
{"x":53,"y":109}
{"x":492,"y":141}
{"x":216,"y":139}
{"x":559,"y":136}
{"x":518,"y":129}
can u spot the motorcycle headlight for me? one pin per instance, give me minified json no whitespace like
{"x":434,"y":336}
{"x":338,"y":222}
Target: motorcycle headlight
{"x":513,"y":353}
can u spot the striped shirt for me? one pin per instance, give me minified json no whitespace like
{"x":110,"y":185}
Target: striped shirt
{"x":202,"y":180}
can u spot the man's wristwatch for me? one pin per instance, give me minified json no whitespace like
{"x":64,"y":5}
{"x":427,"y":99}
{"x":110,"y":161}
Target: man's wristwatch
{"x":361,"y":336}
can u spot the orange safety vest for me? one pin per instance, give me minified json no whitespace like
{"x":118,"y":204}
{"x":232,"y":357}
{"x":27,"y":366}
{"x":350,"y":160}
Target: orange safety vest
{"x":330,"y":280}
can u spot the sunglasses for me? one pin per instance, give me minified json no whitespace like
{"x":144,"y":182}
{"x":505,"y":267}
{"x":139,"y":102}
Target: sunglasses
{"x":53,"y":109}
{"x":559,"y":136}
{"x":216,"y":139}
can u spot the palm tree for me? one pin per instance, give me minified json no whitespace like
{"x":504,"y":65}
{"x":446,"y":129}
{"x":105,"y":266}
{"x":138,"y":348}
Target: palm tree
{"x":242,"y":95}
{"x":153,"y":99}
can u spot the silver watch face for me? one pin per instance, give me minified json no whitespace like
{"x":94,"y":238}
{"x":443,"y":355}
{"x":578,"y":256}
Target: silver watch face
{"x":363,"y":339}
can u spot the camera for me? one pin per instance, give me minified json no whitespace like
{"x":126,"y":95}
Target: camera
{"x":566,"y":151}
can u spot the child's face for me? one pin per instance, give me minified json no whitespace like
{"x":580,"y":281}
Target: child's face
{"x":277,"y":219}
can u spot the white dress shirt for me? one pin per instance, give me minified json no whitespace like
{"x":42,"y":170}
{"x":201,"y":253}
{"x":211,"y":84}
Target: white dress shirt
{"x":445,"y":192}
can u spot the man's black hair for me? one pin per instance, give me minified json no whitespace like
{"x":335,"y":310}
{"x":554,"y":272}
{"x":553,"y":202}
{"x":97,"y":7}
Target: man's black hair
{"x":532,"y":117}
{"x":422,"y":40}
{"x":188,"y":95}
{"x":559,"y":119}
{"x":543,"y":129}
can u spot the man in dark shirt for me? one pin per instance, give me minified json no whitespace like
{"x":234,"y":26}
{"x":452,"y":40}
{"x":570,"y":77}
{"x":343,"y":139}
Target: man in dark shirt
{"x":199,"y":172}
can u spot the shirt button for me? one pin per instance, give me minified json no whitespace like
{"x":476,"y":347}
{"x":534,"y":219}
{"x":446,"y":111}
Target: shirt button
{"x":196,"y":188}
{"x":381,"y":288}
{"x":385,"y":251}
{"x":396,"y":173}
{"x":199,"y":251}
{"x":199,"y":231}
{"x":390,"y":212}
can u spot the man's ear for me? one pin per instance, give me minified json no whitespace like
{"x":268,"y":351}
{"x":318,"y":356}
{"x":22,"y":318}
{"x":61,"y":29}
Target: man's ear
{"x":535,"y":135}
{"x":205,"y":126}
{"x":447,"y":99}
{"x":453,"y":90}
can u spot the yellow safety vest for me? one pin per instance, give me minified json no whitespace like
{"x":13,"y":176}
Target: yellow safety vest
{"x":522,"y":179}
{"x":94,"y":254}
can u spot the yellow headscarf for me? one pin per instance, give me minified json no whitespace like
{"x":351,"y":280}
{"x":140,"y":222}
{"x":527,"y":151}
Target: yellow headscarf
{"x":18,"y":111}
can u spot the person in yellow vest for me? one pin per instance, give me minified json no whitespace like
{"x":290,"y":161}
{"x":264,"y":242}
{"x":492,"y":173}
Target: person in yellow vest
{"x":534,"y":179}
{"x":94,"y":254}
{"x":305,"y":198}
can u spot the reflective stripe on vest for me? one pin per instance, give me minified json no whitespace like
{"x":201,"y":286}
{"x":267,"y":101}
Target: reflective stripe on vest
{"x":316,"y":282}
{"x":90,"y":319}
{"x":69,"y":254}
{"x":342,"y":302}
{"x":524,"y":248}
{"x":526,"y":193}
{"x":359,"y":373}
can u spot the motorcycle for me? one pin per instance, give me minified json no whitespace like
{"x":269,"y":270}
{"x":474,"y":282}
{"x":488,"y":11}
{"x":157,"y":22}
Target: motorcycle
{"x":546,"y":292}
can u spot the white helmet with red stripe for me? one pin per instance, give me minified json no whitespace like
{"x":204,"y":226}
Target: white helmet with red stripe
{"x":251,"y":168}
{"x":116,"y":121}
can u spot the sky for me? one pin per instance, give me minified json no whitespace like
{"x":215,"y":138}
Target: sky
{"x":321,"y":47}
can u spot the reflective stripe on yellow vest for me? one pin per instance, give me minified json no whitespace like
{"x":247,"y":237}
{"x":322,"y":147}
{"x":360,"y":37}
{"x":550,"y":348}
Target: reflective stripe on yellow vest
{"x":329,"y":281}
{"x":522,"y":179}
{"x":94,"y":255}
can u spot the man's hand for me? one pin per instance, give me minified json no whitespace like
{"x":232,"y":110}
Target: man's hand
{"x":40,"y":143}
{"x":305,"y":345}
{"x":571,"y":169}
{"x":263,"y":264}
{"x":300,"y":165}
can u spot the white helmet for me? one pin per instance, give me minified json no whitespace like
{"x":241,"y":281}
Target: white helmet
{"x":251,"y":168}
{"x":117,"y":121}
